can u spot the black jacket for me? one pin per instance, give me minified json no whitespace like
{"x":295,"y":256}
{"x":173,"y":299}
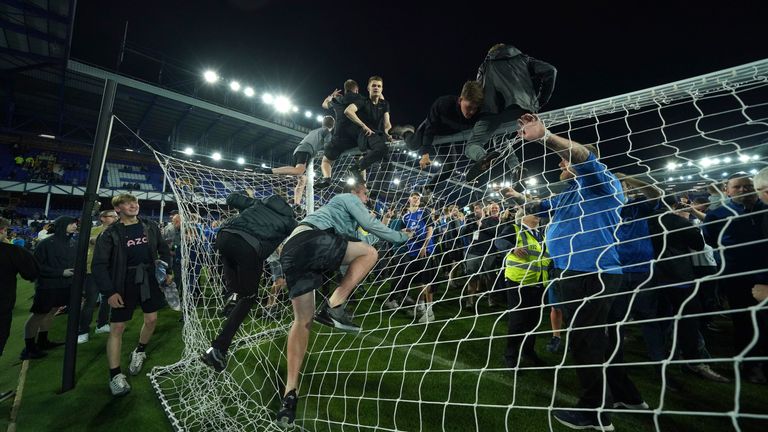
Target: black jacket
{"x":110,"y":262}
{"x":54,"y":255}
{"x":510,"y":77}
{"x":484,"y":243}
{"x":14,"y":260}
{"x":673,"y":239}
{"x":270,"y":220}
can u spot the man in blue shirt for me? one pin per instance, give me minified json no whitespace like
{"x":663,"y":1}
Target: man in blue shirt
{"x":580,"y":240}
{"x":732,"y":230}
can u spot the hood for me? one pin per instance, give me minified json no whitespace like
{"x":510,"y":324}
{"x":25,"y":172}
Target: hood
{"x":60,"y":225}
{"x":508,"y":51}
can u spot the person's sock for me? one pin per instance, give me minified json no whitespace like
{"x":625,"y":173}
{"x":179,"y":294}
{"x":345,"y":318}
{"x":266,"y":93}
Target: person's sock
{"x":42,"y":337}
{"x":141,"y":347}
{"x":113,"y":372}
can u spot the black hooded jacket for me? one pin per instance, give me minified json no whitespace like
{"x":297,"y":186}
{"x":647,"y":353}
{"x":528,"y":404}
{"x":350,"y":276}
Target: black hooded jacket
{"x":510,"y":77}
{"x":110,"y":259}
{"x":54,"y":255}
{"x":270,"y":220}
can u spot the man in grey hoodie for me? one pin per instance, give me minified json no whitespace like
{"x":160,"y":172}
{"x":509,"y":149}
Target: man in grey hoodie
{"x":322,"y":242}
{"x":55,"y":258}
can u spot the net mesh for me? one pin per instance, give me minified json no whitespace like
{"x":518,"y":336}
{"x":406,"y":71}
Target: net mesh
{"x":449,"y":374}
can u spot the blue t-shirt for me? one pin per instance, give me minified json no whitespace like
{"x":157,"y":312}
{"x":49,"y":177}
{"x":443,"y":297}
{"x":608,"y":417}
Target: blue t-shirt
{"x":418,"y":222}
{"x":583,"y":220}
{"x":635,"y":247}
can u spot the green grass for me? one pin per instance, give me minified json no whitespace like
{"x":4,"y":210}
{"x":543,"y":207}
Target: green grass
{"x":391,"y":378}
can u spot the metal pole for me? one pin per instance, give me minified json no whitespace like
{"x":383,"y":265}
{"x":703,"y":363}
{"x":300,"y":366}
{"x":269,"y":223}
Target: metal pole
{"x":310,"y":189}
{"x":162,"y":197}
{"x":48,"y":202}
{"x":98,"y":156}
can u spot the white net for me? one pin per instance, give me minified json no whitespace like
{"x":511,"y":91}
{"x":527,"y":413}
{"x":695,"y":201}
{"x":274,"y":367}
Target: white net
{"x":449,"y":374}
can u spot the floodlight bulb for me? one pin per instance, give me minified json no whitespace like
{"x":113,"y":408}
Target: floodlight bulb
{"x":350,"y":181}
{"x":755,"y":157}
{"x":282,"y":104}
{"x":249,"y":91}
{"x":264,"y":165}
{"x":234,"y":85}
{"x":308,"y":114}
{"x":267,"y":98}
{"x":743,"y":158}
{"x":396,"y":181}
{"x":436,"y":163}
{"x":725,"y":174}
{"x":671,"y":166}
{"x":753,"y":171}
{"x":189,"y":151}
{"x":319,"y":118}
{"x":216,"y":156}
{"x":295,"y":109}
{"x":532,"y":181}
{"x":727,"y":160}
{"x":210,"y":76}
{"x":240,"y":160}
{"x":706,"y":162}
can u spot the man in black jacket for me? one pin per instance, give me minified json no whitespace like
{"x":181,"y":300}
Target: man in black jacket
{"x":515,"y":84}
{"x":244,"y":242}
{"x":55,"y":257}
{"x":481,"y":263}
{"x":124,"y":270}
{"x":13,"y":260}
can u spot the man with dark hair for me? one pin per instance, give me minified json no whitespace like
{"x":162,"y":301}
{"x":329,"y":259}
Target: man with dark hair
{"x":371,"y":114}
{"x":55,"y":257}
{"x":448,"y":115}
{"x":514,"y":84}
{"x":244,"y":242}
{"x":580,"y":240}
{"x":324,"y":241}
{"x":123,"y":268}
{"x":731,"y":230}
{"x":309,"y":146}
{"x":344,"y":132}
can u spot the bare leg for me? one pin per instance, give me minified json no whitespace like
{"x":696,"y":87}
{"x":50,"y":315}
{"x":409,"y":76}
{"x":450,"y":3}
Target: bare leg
{"x":361,"y":257}
{"x":150,"y":321}
{"x":556,"y":319}
{"x":325,"y":167}
{"x":298,"y":192}
{"x":276,"y":287}
{"x":298,"y":337}
{"x":45,"y":324}
{"x":32,"y":326}
{"x":114,"y":344}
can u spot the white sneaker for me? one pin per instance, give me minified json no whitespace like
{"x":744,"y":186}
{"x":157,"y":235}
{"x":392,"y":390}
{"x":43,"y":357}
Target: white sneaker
{"x":427,"y":317}
{"x":706,"y":372}
{"x":102,"y":329}
{"x":119,"y":385}
{"x":137,"y":361}
{"x":391,"y":305}
{"x":82,"y":338}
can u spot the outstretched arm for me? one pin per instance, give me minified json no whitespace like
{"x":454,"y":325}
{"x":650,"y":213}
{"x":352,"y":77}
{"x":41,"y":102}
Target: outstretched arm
{"x":532,"y":129}
{"x":327,"y":101}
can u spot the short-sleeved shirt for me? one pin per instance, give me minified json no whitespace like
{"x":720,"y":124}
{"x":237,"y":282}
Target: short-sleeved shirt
{"x":338,"y":105}
{"x":372,"y":114}
{"x":584,"y":218}
{"x":137,"y":245}
{"x":418,"y":222}
{"x":314,"y":141}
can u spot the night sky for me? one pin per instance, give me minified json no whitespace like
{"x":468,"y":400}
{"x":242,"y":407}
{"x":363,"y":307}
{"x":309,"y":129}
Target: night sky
{"x":423,"y":50}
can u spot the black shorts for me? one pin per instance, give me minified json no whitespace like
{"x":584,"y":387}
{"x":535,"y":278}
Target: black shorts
{"x":307,"y":255}
{"x":132,"y":298}
{"x":301,"y":158}
{"x":47,"y":299}
{"x":341,"y":141}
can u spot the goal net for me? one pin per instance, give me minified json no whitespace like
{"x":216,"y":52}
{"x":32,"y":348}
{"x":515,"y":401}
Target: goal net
{"x":405,"y":372}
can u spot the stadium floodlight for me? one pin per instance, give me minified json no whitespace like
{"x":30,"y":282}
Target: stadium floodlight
{"x":753,"y":171}
{"x":308,"y":114}
{"x":319,"y":118}
{"x":755,"y":157}
{"x":240,"y":160}
{"x":295,"y":109}
{"x":671,"y":166}
{"x":396,"y":181}
{"x":282,"y":104}
{"x":743,"y":158}
{"x":267,"y":98}
{"x":727,"y":160}
{"x":715,"y":161}
{"x":669,"y":179}
{"x":235,"y":86}
{"x":690,"y":177}
{"x":249,"y":91}
{"x":725,"y":174}
{"x":264,"y":165}
{"x":706,"y":162}
{"x":189,"y":151}
{"x":350,"y":181}
{"x":216,"y":156}
{"x":435,"y":163}
{"x":210,"y":76}
{"x":690,"y":164}
{"x":532,"y":181}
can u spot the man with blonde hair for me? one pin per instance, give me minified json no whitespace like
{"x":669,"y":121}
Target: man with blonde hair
{"x":124,"y":270}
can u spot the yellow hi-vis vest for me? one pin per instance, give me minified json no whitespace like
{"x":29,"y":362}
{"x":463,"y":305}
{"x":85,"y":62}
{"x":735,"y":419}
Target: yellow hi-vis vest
{"x":532,"y":269}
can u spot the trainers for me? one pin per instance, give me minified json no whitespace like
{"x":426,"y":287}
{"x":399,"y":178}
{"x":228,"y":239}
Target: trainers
{"x":119,"y":386}
{"x":391,"y":304}
{"x":48,"y":345}
{"x":427,"y":317}
{"x":323,"y":183}
{"x":554,"y":344}
{"x":633,"y":406}
{"x":214,"y":358}
{"x":102,"y":329}
{"x":137,"y":362}
{"x":583,"y":420}
{"x":287,"y":413}
{"x":31,"y":354}
{"x":706,"y":372}
{"x":408,"y":301}
{"x":337,"y":318}
{"x":482,"y":165}
{"x":82,"y":338}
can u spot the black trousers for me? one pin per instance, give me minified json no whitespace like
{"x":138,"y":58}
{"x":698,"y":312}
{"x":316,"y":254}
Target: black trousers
{"x":243,"y":267}
{"x":374,"y":148}
{"x":524,"y":316}
{"x":738,"y":290}
{"x":589,"y":346}
{"x":7,"y":302}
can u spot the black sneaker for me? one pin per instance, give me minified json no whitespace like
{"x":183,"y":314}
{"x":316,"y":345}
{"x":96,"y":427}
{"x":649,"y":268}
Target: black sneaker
{"x":48,"y":345}
{"x":323,"y":183}
{"x":287,"y":413}
{"x":337,"y":318}
{"x":583,"y":420}
{"x":31,"y":354}
{"x":482,"y":165}
{"x":215,"y":359}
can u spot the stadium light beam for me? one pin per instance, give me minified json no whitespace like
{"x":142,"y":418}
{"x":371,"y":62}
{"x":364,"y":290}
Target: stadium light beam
{"x":396,"y":181}
{"x":319,"y":118}
{"x":282,"y":104}
{"x":308,"y":114}
{"x":267,"y":98}
{"x":295,"y":109}
{"x":671,"y":166}
{"x":189,"y":151}
{"x":216,"y":156}
{"x":350,"y":181}
{"x":249,"y":91}
{"x":234,"y":86}
{"x":743,"y":158}
{"x":210,"y":76}
{"x":240,"y":161}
